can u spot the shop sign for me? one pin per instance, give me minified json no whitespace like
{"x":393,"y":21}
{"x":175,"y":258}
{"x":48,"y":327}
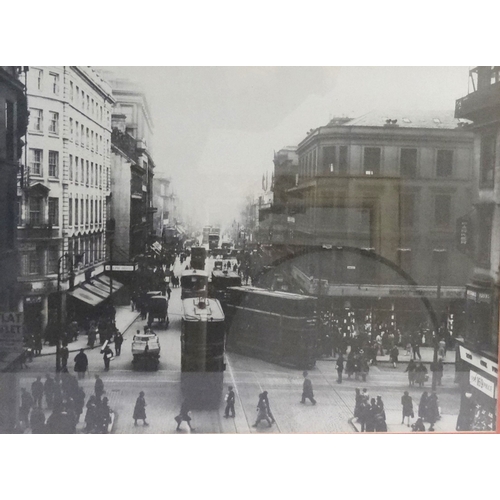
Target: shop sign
{"x":121,"y":267}
{"x":483,"y":384}
{"x":11,"y":331}
{"x":478,"y":361}
{"x":35,"y":299}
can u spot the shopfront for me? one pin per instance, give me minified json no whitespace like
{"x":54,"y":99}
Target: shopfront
{"x":477,"y":374}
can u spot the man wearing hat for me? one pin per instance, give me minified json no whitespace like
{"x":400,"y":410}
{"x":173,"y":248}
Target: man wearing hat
{"x":307,"y":390}
{"x":229,"y":403}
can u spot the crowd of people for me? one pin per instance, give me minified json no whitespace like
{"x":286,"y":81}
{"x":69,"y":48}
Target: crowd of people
{"x":65,"y":400}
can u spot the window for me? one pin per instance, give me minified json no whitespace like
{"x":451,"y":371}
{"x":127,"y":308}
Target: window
{"x":54,"y":211}
{"x":342,"y":159}
{"x":88,"y":103}
{"x":19,"y":212}
{"x":100,"y":113}
{"x":81,"y":211}
{"x":87,"y":176}
{"x":408,"y":163}
{"x":100,"y":176}
{"x":36,"y":161}
{"x":39,"y":78}
{"x":52,"y":260}
{"x":487,"y":161}
{"x":70,"y":212}
{"x":34,"y":263}
{"x":77,"y":138}
{"x":92,"y":110}
{"x":484,"y":235}
{"x":10,"y":135}
{"x":371,"y":161}
{"x":88,"y":139}
{"x":91,"y":220}
{"x":83,"y":100}
{"x":70,"y":167}
{"x":444,"y":163}
{"x":330,"y":159}
{"x":408,"y":209}
{"x":92,"y":176}
{"x":71,"y":91}
{"x":36,"y":120}
{"x":77,"y":220}
{"x":36,"y":206}
{"x":92,"y":140}
{"x":53,"y":164}
{"x":87,"y":212}
{"x":77,"y":167}
{"x":442,"y":210}
{"x":71,"y":129}
{"x":54,"y":122}
{"x":54,"y":83}
{"x":95,"y":212}
{"x":82,"y":136}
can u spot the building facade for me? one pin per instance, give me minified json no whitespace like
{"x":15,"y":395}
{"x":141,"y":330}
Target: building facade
{"x":13,"y":122}
{"x":65,"y":187}
{"x":478,"y":350}
{"x":132,"y":172}
{"x":389,"y":185}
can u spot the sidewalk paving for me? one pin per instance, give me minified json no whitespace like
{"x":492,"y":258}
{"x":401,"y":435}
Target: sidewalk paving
{"x":124,"y":319}
{"x":427,"y":354}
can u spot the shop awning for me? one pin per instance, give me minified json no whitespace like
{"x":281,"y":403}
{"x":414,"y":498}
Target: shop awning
{"x":95,"y":291}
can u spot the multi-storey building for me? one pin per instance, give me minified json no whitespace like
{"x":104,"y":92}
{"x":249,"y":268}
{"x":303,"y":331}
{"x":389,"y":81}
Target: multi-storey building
{"x":389,"y":185}
{"x":132,"y":171}
{"x":13,"y":120}
{"x":478,"y":350}
{"x":65,"y":187}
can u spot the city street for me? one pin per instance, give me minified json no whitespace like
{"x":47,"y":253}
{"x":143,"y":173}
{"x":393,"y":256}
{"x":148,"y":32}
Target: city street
{"x":249,"y":377}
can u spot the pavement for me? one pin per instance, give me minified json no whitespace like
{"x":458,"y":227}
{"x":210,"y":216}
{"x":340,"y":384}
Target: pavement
{"x":333,"y":412}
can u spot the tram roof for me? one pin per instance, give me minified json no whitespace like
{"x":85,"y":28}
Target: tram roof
{"x":224,"y":274}
{"x":194,"y":272}
{"x":271,"y":293}
{"x":191,"y":310}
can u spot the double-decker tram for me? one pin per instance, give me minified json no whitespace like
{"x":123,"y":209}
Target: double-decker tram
{"x":203,"y":335}
{"x":221,"y":281}
{"x":275,"y":326}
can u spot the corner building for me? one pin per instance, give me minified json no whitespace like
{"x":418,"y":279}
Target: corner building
{"x":65,"y":188}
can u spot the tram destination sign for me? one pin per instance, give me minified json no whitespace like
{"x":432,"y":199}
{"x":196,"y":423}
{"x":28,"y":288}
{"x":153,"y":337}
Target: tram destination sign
{"x":11,"y":331}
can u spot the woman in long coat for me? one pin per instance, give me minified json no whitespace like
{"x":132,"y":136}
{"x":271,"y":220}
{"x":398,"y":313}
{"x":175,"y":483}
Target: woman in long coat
{"x":140,"y":409}
{"x":407,"y":403}
{"x":420,"y":372}
{"x":410,"y":369}
{"x":422,"y":406}
{"x":81,"y":363}
{"x":432,"y":410}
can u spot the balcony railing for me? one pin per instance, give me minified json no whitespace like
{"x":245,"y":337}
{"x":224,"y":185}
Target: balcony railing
{"x":482,"y":102}
{"x":38,"y":229}
{"x":125,"y":143}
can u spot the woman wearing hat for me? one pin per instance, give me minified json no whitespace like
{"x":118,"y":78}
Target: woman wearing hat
{"x":140,"y":409}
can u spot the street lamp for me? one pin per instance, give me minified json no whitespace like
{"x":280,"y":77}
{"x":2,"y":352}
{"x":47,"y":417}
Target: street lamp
{"x":439,"y":255}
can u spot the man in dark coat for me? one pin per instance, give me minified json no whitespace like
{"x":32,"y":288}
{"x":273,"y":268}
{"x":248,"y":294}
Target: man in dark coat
{"x":118,"y":343}
{"x":229,"y":403}
{"x":37,"y":421}
{"x":48,"y":389}
{"x":37,"y":391}
{"x":64,"y":354}
{"x":307,"y":390}
{"x":98,"y":387}
{"x":184,"y":415}
{"x":26,"y":405}
{"x":340,"y":368}
{"x":81,"y":363}
{"x":140,"y":409}
{"x":107,"y":354}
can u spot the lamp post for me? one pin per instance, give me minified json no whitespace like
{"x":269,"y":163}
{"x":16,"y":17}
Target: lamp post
{"x":439,"y":254}
{"x":64,"y":256}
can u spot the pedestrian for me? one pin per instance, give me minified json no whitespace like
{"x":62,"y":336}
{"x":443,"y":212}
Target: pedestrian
{"x":90,"y":415}
{"x":407,"y":403}
{"x":37,"y":421}
{"x":421,"y":374}
{"x":140,"y":409}
{"x":37,"y":392}
{"x":118,"y":343}
{"x":64,"y":355}
{"x":48,"y":389}
{"x":266,"y":401}
{"x":411,"y":370}
{"x":107,"y":356}
{"x":169,"y":291}
{"x":98,"y":387}
{"x":442,"y":349}
{"x":37,"y":345}
{"x":26,"y":405}
{"x":422,"y":406}
{"x":184,"y":415}
{"x":363,"y":414}
{"x":340,"y":368}
{"x":371,"y":413}
{"x":439,"y":371}
{"x":307,"y":390}
{"x":81,"y":364}
{"x":467,"y":412}
{"x":230,"y":399}
{"x":415,"y":345}
{"x":380,"y":417}
{"x":262,"y":413}
{"x":432,"y":410}
{"x":394,"y":354}
{"x":103,"y":416}
{"x":92,"y":334}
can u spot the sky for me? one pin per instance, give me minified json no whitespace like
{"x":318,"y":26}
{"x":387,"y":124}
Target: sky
{"x":216,"y":128}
